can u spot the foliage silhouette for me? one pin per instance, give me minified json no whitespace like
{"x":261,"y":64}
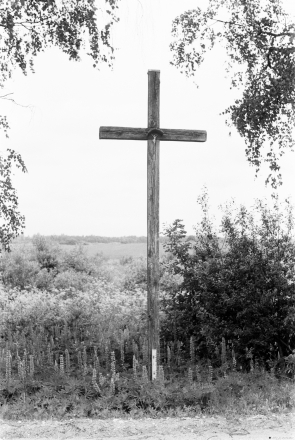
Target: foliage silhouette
{"x":259,"y":41}
{"x":241,"y":288}
{"x":26,"y":29}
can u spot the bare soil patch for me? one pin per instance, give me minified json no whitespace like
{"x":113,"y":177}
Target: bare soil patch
{"x":259,"y":427}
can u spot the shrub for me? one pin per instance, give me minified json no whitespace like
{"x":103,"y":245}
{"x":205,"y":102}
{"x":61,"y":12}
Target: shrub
{"x":135,"y":274}
{"x":18,"y":268}
{"x":103,"y":306}
{"x":77,"y":260}
{"x":46,"y":253}
{"x":44,"y":279}
{"x":70,"y":279}
{"x":46,"y":266}
{"x":240,"y":288}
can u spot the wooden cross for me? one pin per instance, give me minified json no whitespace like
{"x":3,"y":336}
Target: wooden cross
{"x":153,"y":134}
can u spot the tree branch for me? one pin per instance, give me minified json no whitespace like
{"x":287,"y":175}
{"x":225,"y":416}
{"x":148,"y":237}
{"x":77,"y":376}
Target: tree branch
{"x":7,"y":94}
{"x":282,"y":34}
{"x":272,"y":34}
{"x":12,"y":100}
{"x":282,"y":49}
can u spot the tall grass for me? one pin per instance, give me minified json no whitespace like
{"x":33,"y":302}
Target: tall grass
{"x":78,"y":347}
{"x":70,"y":370}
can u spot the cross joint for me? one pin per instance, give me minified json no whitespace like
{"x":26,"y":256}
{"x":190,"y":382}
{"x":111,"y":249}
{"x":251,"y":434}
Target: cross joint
{"x":155,"y":132}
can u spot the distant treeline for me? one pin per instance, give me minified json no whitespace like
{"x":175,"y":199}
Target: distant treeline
{"x":85,"y":239}
{"x":76,"y":239}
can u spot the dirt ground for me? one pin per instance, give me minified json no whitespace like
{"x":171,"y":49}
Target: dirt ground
{"x":276,"y":427}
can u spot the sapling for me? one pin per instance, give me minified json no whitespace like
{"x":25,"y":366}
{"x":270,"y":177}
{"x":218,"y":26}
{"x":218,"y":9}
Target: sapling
{"x":190,"y":375}
{"x":79,"y":360}
{"x":198,"y":373}
{"x":210,"y":372}
{"x":234,"y":360}
{"x":8,"y":367}
{"x":84,"y":355}
{"x":161,"y":374}
{"x":94,"y":383}
{"x":112,"y":385}
{"x":168,"y":356}
{"x":61,"y":365}
{"x":113,"y":363}
{"x":192,"y":349}
{"x":68,"y":362}
{"x":134,"y":367}
{"x":144,"y":374}
{"x":32,"y":367}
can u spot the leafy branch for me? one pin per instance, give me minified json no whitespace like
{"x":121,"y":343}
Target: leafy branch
{"x":259,"y":40}
{"x":28,"y":27}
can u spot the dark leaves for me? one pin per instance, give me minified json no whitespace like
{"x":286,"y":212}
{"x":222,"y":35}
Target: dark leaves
{"x":240,"y":286}
{"x":11,"y":221}
{"x":259,"y":39}
{"x":28,"y":27}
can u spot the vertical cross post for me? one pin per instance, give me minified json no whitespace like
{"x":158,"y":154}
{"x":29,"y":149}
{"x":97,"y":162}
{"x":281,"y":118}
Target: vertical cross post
{"x":153,"y":164}
{"x":153,"y":134}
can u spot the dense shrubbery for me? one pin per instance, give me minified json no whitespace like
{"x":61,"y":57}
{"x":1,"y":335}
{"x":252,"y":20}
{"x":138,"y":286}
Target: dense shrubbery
{"x":46,"y":266}
{"x":73,"y":327}
{"x":45,"y":286}
{"x":240,"y":288}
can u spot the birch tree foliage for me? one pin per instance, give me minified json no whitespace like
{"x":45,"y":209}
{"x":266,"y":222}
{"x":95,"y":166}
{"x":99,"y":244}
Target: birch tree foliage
{"x":11,"y":220}
{"x":259,"y":40}
{"x":28,"y":27}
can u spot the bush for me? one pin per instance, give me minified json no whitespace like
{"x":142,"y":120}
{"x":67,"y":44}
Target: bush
{"x":135,"y":274}
{"x":46,"y":266}
{"x":240,"y":288}
{"x":76,"y":260}
{"x":103,"y":306}
{"x":46,"y":253}
{"x":18,"y":268}
{"x":70,"y":279}
{"x":74,"y":328}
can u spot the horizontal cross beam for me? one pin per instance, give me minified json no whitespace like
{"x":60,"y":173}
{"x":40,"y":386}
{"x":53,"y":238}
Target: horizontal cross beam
{"x":142,"y":134}
{"x":153,"y":134}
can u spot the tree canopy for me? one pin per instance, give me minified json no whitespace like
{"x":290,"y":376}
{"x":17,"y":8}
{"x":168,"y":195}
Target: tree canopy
{"x":28,"y":27}
{"x":259,"y":41}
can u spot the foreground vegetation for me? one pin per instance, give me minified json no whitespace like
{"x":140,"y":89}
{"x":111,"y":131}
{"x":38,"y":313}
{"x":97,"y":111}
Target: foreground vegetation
{"x":86,"y":379}
{"x":73,"y":327}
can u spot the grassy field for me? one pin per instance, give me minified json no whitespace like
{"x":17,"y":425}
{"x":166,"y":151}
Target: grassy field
{"x":116,"y":250}
{"x":113,"y":250}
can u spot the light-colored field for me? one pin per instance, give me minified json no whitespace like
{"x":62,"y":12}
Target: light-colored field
{"x":116,"y":250}
{"x":112,"y":250}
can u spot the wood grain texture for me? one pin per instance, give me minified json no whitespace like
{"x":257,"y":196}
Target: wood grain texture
{"x":153,"y":189}
{"x":153,"y":98}
{"x":141,"y":134}
{"x":153,"y":186}
{"x":153,"y":194}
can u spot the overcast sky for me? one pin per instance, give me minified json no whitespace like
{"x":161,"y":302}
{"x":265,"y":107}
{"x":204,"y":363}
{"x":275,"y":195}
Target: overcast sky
{"x":78,"y":184}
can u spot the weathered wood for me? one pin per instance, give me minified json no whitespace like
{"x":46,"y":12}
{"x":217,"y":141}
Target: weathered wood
{"x":153,"y":98}
{"x":153,"y":192}
{"x":141,"y":134}
{"x":153,"y":134}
